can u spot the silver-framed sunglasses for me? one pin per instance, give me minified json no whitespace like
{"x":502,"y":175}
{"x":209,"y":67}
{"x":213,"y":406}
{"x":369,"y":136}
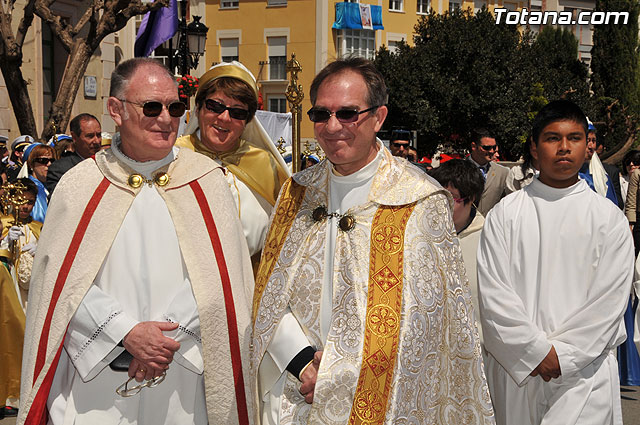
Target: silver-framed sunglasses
{"x":124,"y":390}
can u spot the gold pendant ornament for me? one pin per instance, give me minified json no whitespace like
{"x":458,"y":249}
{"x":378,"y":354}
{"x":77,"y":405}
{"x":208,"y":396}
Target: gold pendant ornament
{"x":137,"y":180}
{"x":319,"y":213}
{"x":161,"y":179}
{"x":346,"y":222}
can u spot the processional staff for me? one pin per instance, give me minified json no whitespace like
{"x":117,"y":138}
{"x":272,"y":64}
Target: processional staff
{"x":12,"y":197}
{"x":295,"y":95}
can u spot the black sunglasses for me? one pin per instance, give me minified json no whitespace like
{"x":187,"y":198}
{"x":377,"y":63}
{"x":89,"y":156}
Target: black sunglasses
{"x":218,"y":108}
{"x":343,"y":115}
{"x":488,"y":148}
{"x":400,"y":145}
{"x":44,"y":161}
{"x":153,"y":108}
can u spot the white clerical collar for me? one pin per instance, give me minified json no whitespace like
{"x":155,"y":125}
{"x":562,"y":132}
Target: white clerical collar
{"x":552,"y":193}
{"x":145,"y":168}
{"x":365,"y":173}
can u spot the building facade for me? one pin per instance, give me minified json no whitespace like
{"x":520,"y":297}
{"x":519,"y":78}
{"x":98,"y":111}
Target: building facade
{"x":45,"y":60}
{"x":262,"y":34}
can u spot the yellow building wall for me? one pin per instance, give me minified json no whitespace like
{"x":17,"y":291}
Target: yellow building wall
{"x":299,"y":19}
{"x":251,"y":18}
{"x":256,"y":21}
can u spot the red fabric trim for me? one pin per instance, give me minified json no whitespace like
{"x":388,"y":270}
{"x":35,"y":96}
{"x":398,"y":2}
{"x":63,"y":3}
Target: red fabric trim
{"x":40,"y":400}
{"x":38,"y":413}
{"x":232,"y":325}
{"x":64,"y":271}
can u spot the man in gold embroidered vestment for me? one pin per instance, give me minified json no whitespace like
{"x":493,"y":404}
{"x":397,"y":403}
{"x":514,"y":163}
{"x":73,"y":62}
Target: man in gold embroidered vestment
{"x":362,"y":312}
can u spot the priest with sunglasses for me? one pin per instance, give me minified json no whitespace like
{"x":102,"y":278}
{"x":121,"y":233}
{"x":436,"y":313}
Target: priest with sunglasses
{"x":362,"y":310}
{"x":141,"y":290}
{"x":225,"y":129}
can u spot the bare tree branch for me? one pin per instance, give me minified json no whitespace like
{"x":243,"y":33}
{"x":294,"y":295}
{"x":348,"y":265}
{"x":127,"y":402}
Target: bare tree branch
{"x":58,"y":26}
{"x":114,"y":19}
{"x":88,"y":14}
{"x":101,"y":18}
{"x":25,"y":23}
{"x":7,"y":34}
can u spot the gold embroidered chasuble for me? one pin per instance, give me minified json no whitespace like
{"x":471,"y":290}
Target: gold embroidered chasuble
{"x":253,"y":166}
{"x":7,"y":221}
{"x":20,"y":266}
{"x":12,"y":319}
{"x":402,"y":344}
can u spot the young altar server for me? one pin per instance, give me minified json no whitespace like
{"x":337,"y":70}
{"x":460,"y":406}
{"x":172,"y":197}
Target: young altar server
{"x":555,"y":266}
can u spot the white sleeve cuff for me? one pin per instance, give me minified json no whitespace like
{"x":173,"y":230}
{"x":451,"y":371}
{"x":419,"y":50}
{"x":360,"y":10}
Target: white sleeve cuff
{"x":288,"y":340}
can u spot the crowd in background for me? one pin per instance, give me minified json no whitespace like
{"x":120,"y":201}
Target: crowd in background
{"x":224,"y":129}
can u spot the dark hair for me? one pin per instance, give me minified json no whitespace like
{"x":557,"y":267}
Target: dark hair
{"x":527,"y":158}
{"x":401,"y":135}
{"x":463,"y":175}
{"x":62,"y":146}
{"x":376,"y":88}
{"x":478,"y":134}
{"x":74,"y":125}
{"x":124,"y":71}
{"x":29,"y":184}
{"x":233,"y":88}
{"x":558,"y":110}
{"x":633,"y":156}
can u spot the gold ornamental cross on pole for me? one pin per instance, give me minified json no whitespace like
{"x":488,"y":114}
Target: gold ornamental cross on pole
{"x":295,"y":95}
{"x":12,"y":197}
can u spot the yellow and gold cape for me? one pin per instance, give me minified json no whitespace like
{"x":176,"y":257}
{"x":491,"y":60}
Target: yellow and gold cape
{"x":255,"y":167}
{"x":402,"y":345}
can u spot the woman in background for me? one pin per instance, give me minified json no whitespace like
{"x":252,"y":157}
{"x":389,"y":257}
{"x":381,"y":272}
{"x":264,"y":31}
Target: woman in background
{"x":225,"y":129}
{"x":38,"y":158}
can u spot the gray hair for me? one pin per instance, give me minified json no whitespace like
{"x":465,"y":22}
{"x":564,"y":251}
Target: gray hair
{"x":124,"y":71}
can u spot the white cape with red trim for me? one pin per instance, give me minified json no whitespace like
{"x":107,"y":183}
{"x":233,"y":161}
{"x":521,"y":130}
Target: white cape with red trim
{"x":84,"y":217}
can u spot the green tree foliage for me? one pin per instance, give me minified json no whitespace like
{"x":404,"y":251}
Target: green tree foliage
{"x":615,"y":79}
{"x":557,"y":68}
{"x":464,"y":71}
{"x":614,"y":62}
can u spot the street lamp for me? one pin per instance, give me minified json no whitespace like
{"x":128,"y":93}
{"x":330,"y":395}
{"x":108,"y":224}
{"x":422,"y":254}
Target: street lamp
{"x":191,"y":42}
{"x":197,"y":34}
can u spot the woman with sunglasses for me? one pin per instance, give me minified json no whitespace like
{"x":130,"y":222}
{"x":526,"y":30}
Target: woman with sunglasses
{"x":224,"y":128}
{"x":38,"y":158}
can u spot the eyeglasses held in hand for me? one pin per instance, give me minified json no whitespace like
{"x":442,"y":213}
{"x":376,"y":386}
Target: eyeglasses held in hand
{"x":153,"y":108}
{"x":218,"y":108}
{"x":124,"y":391}
{"x":343,"y":115}
{"x":44,"y":161}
